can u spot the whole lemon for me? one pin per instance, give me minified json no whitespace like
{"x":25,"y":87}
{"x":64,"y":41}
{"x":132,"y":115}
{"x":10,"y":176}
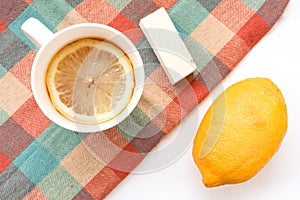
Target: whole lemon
{"x":240,"y":132}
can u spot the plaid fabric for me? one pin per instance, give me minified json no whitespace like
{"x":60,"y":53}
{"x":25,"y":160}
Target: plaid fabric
{"x":40,"y":160}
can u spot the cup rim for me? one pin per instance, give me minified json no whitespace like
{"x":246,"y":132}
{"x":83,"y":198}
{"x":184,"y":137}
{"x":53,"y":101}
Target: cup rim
{"x":138,"y":70}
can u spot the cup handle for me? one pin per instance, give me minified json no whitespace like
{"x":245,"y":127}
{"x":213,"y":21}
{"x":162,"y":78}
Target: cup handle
{"x":37,"y":32}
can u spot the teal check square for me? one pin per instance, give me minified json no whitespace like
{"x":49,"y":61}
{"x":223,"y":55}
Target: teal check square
{"x":128,"y":129}
{"x":54,"y":12}
{"x":59,"y":184}
{"x":180,"y":30}
{"x":133,"y":124}
{"x":254,"y":5}
{"x":199,"y":54}
{"x":149,"y":58}
{"x":36,"y":162}
{"x":15,"y":26}
{"x":119,"y":5}
{"x":58,"y":141}
{"x":3,"y":71}
{"x":12,"y":50}
{"x":139,"y":117}
{"x":3,"y":116}
{"x":188,"y":14}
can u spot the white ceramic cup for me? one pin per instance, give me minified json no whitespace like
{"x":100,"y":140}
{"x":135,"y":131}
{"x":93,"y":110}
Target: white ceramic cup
{"x":50,"y":43}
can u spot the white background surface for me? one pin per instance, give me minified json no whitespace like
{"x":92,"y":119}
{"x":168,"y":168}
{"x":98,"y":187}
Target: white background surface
{"x":277,"y":57}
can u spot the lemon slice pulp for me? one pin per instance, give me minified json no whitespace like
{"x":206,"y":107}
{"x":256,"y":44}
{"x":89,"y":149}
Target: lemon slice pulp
{"x":90,"y":81}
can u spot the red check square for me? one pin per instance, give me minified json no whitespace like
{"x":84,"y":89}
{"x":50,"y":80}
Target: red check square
{"x":169,"y":117}
{"x":187,"y":100}
{"x":4,"y":162}
{"x":254,"y":30}
{"x":127,"y":159}
{"x":31,"y":118}
{"x":123,"y":24}
{"x":2,"y":27}
{"x":102,"y":183}
{"x":233,"y":52}
{"x":200,"y":90}
{"x":166,"y":4}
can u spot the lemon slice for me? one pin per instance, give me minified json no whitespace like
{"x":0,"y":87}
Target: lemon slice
{"x":90,"y":81}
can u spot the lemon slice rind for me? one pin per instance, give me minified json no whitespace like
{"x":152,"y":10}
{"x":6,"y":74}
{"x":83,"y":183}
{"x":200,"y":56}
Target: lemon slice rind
{"x":68,"y":112}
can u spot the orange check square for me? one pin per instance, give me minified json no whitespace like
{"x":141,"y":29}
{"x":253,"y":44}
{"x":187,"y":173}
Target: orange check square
{"x":22,"y":70}
{"x":35,"y":194}
{"x":153,"y":100}
{"x":101,"y":12}
{"x":81,"y":164}
{"x":233,"y":14}
{"x":71,"y":18}
{"x":160,"y":78}
{"x":212,"y":34}
{"x":13,"y":93}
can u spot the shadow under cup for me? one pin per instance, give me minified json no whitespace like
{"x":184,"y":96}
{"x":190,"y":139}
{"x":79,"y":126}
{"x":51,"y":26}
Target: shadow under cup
{"x":65,"y":37}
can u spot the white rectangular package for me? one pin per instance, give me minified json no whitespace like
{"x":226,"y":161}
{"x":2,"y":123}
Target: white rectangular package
{"x":167,"y":45}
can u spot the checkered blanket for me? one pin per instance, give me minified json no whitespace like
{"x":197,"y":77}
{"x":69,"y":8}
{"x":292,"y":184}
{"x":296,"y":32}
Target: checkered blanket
{"x":40,"y":160}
